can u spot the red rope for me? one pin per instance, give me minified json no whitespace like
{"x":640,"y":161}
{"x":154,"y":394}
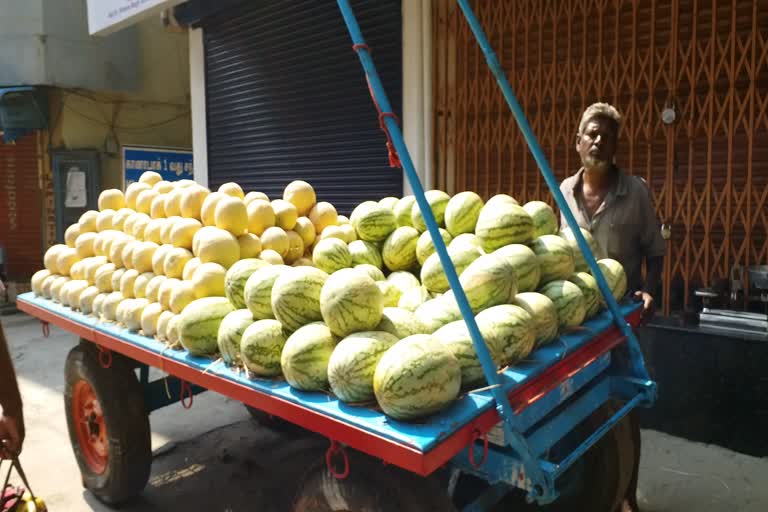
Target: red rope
{"x":186,"y":395}
{"x":475,"y":436}
{"x":335,"y":449}
{"x":394,"y":158}
{"x":46,"y":329}
{"x":105,"y":357}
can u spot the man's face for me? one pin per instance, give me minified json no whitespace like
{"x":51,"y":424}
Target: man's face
{"x":597,"y":145}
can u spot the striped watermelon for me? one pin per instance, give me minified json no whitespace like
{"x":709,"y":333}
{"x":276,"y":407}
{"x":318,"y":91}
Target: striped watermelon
{"x":544,"y":218}
{"x":412,"y":298}
{"x":435,"y":313}
{"x":511,"y":329}
{"x":438,"y":201}
{"x":389,"y":202}
{"x":199,"y":324}
{"x":416,"y":377}
{"x":390,"y":293}
{"x":466,"y":239}
{"x":455,"y":336}
{"x":569,"y":302}
{"x":404,"y":280}
{"x":305,"y":357}
{"x":403,"y":210}
{"x":578,"y":258}
{"x":331,"y":254}
{"x":488,"y":281}
{"x":350,"y":302}
{"x":360,"y":209}
{"x":425,"y":247}
{"x":501,"y":199}
{"x":544,"y":314}
{"x":616,"y":277}
{"x":364,"y":252}
{"x":230,"y":333}
{"x":258,"y":290}
{"x":462,"y":212}
{"x":555,"y":258}
{"x":525,"y":263}
{"x":502,"y":223}
{"x":432,"y":274}
{"x":261,"y":346}
{"x":353,"y":363}
{"x":375,"y":223}
{"x":373,"y":272}
{"x":237,"y":276}
{"x":399,"y":250}
{"x":296,"y":296}
{"x":399,"y":322}
{"x":591,"y":292}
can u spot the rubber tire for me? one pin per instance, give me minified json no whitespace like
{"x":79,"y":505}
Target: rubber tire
{"x":371,"y":486}
{"x":122,"y":402}
{"x":605,"y":471}
{"x":274,"y":422}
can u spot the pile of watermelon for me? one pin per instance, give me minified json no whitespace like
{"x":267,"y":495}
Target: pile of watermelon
{"x":360,"y":306}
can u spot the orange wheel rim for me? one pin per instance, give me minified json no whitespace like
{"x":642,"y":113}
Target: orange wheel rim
{"x":90,"y":427}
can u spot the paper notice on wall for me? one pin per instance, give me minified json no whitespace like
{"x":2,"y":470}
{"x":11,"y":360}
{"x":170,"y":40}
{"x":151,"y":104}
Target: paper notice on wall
{"x":77,"y":195}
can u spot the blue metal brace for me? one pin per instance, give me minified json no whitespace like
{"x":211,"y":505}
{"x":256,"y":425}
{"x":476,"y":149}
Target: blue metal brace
{"x":540,"y":483}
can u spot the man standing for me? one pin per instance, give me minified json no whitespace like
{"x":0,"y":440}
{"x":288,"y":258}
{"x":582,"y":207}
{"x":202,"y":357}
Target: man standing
{"x":617,"y":210}
{"x":11,"y":419}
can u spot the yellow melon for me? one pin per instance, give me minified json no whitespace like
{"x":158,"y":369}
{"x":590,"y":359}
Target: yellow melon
{"x":271,"y":256}
{"x":342,"y":219}
{"x":149,"y":317}
{"x":158,"y":258}
{"x":142,"y":256}
{"x":92,"y":266}
{"x":261,"y":216}
{"x":295,"y":247}
{"x":37,"y":281}
{"x":167,"y":229}
{"x":71,"y":234}
{"x":175,"y":260}
{"x":323,"y":215}
{"x":162,"y":325}
{"x":119,"y":217}
{"x":349,"y":233}
{"x":157,"y":208}
{"x":127,"y":253}
{"x":140,"y":226}
{"x":172,"y":330}
{"x":77,"y":271}
{"x":301,"y":195}
{"x":220,"y":247}
{"x":192,"y":199}
{"x":104,"y":220}
{"x":74,"y":291}
{"x":190,"y":267}
{"x":164,"y":295}
{"x":181,"y":295}
{"x":153,"y":230}
{"x":208,"y":208}
{"x":115,"y":253}
{"x":110,"y":304}
{"x":172,"y":204}
{"x":117,"y":275}
{"x":306,"y":230}
{"x":232,"y":189}
{"x":286,"y":214}
{"x":51,"y":258}
{"x":86,"y":299}
{"x":132,"y":193}
{"x":127,"y":280}
{"x":163,"y":187}
{"x":150,"y":178}
{"x":87,"y":221}
{"x":208,"y":280}
{"x":67,"y":257}
{"x":200,"y":234}
{"x":141,"y":283}
{"x":183,"y":232}
{"x":47,"y":283}
{"x":103,"y":277}
{"x":152,"y":290}
{"x":111,"y":199}
{"x":144,"y":200}
{"x":250,"y":196}
{"x":230,"y":214}
{"x":334,"y":232}
{"x":133,"y":312}
{"x":56,"y":287}
{"x":276,"y":239}
{"x":250,"y":245}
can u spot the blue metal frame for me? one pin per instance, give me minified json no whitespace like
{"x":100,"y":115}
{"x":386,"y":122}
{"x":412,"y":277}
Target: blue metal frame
{"x":519,"y":465}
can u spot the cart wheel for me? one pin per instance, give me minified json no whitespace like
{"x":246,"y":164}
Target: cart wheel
{"x":596,"y":483}
{"x":274,"y":422}
{"x":371,"y":486}
{"x":108,"y":425}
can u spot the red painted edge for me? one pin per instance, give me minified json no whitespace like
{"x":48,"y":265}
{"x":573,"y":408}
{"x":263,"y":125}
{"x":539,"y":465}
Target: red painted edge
{"x":404,"y":456}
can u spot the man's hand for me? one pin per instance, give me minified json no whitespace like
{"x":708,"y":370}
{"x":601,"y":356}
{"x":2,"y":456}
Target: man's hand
{"x":648,"y":305}
{"x":11,"y":436}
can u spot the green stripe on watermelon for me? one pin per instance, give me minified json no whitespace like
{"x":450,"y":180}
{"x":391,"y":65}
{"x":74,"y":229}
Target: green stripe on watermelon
{"x":305,"y":357}
{"x":438,"y":202}
{"x":543,"y":216}
{"x":544,"y":314}
{"x":525,"y":263}
{"x":331,"y":254}
{"x":375,"y":223}
{"x":353,"y":363}
{"x":261,"y":347}
{"x":455,"y":336}
{"x":503,"y":223}
{"x":399,"y":250}
{"x":569,"y":302}
{"x":511,"y":329}
{"x":296,"y":296}
{"x":230,"y":334}
{"x":350,"y":301}
{"x":462,"y":212}
{"x":258,"y":291}
{"x":365,"y":252}
{"x":555,"y":258}
{"x":237,"y":276}
{"x":432,"y":274}
{"x":588,"y":286}
{"x":199,"y":323}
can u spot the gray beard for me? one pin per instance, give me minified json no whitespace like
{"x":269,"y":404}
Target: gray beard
{"x":590,"y":162}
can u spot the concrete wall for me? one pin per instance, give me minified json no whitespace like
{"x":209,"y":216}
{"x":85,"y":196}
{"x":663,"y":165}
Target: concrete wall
{"x":157,"y":114}
{"x":46,"y":42}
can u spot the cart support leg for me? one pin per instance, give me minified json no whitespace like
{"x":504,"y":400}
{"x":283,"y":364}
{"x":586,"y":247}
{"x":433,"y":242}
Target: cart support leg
{"x":490,"y":497}
{"x":161,"y":392}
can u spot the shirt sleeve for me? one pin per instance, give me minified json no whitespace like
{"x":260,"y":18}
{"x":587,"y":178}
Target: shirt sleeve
{"x":651,"y":241}
{"x":10,"y":400}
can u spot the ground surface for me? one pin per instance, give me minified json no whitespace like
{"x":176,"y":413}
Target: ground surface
{"x":214,"y":458}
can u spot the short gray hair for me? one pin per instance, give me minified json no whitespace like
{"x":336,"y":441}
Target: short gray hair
{"x":599,"y":110}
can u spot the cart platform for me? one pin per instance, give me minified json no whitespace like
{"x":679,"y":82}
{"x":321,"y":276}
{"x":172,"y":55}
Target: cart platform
{"x":551,"y":373}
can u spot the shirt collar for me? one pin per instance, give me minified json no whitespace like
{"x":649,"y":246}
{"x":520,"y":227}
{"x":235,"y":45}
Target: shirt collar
{"x":621,"y":188}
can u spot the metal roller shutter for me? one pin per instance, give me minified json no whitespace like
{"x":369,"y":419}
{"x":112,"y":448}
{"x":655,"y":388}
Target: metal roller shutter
{"x":287,"y":99}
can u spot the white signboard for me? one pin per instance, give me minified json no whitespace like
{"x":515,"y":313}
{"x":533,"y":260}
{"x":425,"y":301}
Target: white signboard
{"x":107,"y":16}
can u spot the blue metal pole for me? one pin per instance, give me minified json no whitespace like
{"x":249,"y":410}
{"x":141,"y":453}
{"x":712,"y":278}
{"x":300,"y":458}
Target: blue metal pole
{"x":636,"y":356}
{"x":489,"y":368}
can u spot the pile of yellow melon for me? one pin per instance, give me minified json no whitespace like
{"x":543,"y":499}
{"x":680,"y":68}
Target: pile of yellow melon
{"x":150,"y":251}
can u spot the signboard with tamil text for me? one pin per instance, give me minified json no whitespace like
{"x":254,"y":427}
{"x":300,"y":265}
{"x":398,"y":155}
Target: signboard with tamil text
{"x":107,"y":16}
{"x":171,"y":163}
